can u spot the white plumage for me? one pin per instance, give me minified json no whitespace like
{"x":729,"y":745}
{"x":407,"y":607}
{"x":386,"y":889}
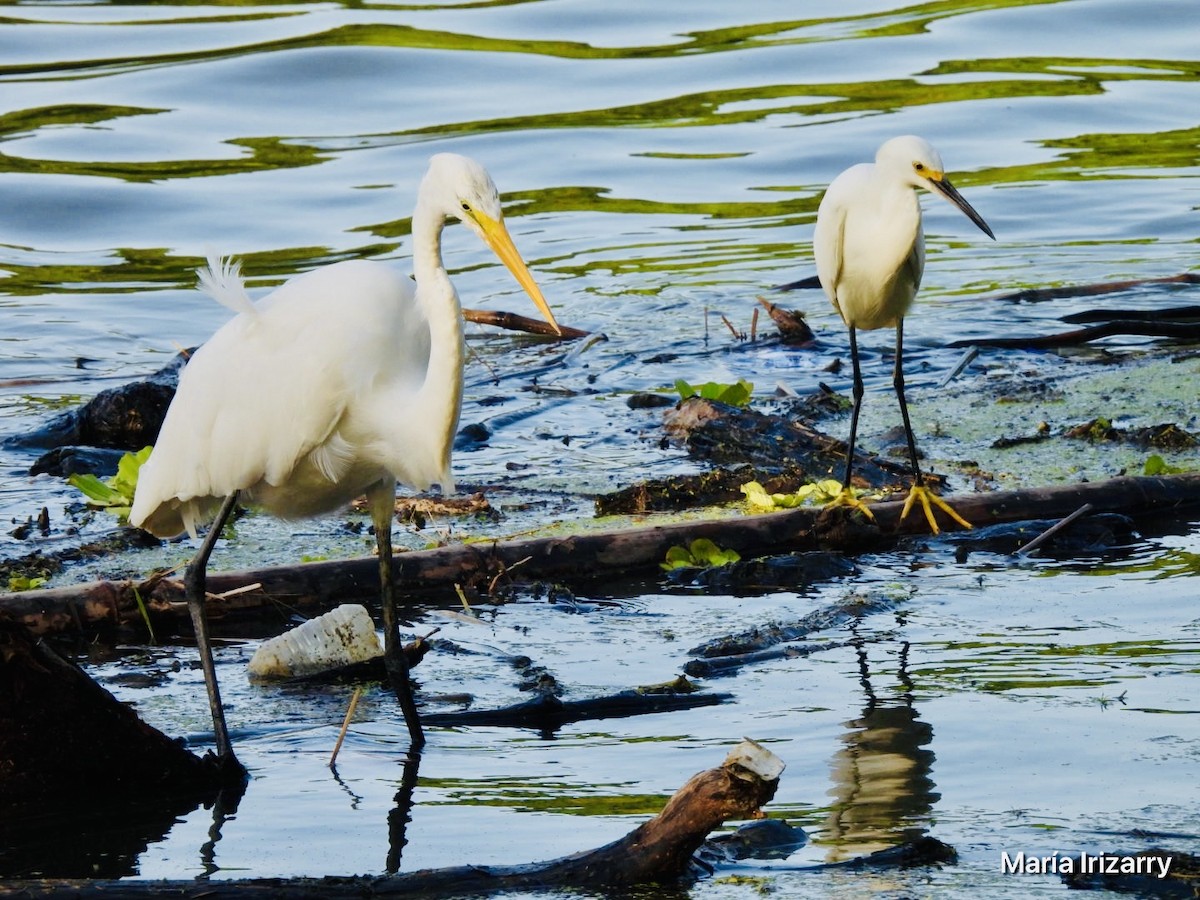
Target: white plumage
{"x":339,"y":378}
{"x":340,"y":382}
{"x":303,"y":401}
{"x":870,"y":252}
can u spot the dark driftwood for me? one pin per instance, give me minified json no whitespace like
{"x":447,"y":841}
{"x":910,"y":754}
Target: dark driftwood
{"x":576,"y":559}
{"x":1182,"y":330}
{"x":64,"y":736}
{"x":1037,"y":295}
{"x":659,"y":850}
{"x":547,"y":712}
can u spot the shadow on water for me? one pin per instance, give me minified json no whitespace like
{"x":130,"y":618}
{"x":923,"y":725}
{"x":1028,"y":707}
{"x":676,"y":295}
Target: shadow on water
{"x":108,"y":834}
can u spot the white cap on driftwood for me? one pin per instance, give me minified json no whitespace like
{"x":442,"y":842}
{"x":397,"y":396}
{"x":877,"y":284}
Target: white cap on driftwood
{"x":755,"y":760}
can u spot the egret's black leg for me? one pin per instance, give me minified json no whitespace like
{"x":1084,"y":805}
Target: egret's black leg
{"x":858,"y":398}
{"x":920,"y":492}
{"x":898,"y":384}
{"x":194,"y":583}
{"x":382,"y":505}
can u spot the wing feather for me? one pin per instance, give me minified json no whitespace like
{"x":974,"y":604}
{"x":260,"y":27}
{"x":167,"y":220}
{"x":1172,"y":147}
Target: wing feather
{"x":260,"y":403}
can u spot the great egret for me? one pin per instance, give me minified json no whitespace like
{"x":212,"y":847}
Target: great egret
{"x":870,"y":252}
{"x":341,"y":382}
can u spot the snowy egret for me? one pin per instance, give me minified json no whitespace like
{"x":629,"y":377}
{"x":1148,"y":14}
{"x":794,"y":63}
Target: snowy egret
{"x":343,"y":381}
{"x":870,"y":252}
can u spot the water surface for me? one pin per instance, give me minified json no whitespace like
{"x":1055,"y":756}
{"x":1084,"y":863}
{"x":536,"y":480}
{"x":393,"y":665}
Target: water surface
{"x":661,"y":166}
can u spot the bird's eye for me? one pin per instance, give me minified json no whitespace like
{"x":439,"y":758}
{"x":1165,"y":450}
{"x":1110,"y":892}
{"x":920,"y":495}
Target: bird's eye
{"x":466,"y":206}
{"x":919,"y":166}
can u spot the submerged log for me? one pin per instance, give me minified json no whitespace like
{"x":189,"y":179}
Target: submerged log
{"x":1178,"y":330}
{"x":722,"y":656}
{"x":1039,"y":295}
{"x":126,"y":417}
{"x":659,"y":850}
{"x":549,"y":713}
{"x":578,"y":559}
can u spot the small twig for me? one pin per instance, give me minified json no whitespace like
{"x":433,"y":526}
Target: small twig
{"x":472,"y":355}
{"x":504,"y":570}
{"x":463,"y":599}
{"x":345,"y":726}
{"x":737,"y":335}
{"x":1053,"y":530}
{"x":965,"y":360}
{"x":233,"y":592}
{"x":754,"y":325}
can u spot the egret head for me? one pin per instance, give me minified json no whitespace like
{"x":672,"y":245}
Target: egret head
{"x":917,"y":163}
{"x":460,"y":188}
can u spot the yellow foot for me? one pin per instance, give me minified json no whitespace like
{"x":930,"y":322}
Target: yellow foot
{"x":847,"y":497}
{"x":925,"y":497}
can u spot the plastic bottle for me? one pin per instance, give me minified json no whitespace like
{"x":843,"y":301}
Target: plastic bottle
{"x":341,"y":637}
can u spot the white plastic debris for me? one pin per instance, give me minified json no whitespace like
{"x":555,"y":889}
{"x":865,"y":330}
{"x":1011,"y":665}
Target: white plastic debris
{"x":755,"y":760}
{"x":341,"y":637}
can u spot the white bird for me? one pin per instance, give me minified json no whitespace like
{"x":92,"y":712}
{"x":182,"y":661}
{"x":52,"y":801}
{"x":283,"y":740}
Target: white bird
{"x":870,"y":253}
{"x":343,"y":381}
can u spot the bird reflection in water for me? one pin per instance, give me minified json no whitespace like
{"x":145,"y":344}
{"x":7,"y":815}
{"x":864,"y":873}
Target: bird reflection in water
{"x":883,"y":793}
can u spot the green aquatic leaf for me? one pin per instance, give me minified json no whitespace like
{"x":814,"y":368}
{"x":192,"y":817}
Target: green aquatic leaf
{"x":99,"y":492}
{"x":815,"y":493}
{"x":24,"y":582}
{"x":1156,"y":465}
{"x":125,"y":481}
{"x":737,"y":394}
{"x":114,"y":494}
{"x":700,"y":553}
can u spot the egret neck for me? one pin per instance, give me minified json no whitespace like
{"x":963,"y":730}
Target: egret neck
{"x":441,"y":393}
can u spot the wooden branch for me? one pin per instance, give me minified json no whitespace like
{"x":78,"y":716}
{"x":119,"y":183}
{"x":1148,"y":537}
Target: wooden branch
{"x":515,"y":322}
{"x":659,"y":850}
{"x":577,"y":559}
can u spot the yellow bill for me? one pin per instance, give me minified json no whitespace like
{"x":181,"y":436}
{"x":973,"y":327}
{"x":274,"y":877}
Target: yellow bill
{"x":497,"y":237}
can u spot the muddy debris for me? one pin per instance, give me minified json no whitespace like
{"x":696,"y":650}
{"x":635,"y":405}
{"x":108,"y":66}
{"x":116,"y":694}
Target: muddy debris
{"x":1167,"y":436}
{"x":1148,"y":873}
{"x":723,"y":434}
{"x":716,"y":486}
{"x":43,"y":564}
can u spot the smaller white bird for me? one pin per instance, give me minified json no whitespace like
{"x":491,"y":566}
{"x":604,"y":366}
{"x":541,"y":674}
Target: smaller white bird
{"x":340,"y":382}
{"x":870,"y":251}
